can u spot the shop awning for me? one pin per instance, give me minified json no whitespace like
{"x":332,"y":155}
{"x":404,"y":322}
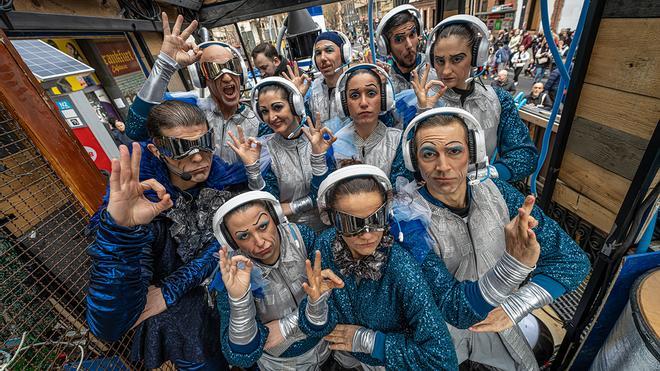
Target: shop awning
{"x":48,"y":63}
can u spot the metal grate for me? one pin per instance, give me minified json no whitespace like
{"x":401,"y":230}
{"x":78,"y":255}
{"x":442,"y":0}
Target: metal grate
{"x":44,"y":266}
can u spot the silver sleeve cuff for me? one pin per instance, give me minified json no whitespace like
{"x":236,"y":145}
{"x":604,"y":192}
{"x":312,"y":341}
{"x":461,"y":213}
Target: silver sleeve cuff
{"x":255,"y":180}
{"x":154,"y":88}
{"x":500,"y":281}
{"x":364,"y":340}
{"x":289,"y":325}
{"x":319,"y":166}
{"x":521,"y":303}
{"x":301,"y":205}
{"x":317,"y":312}
{"x":242,"y":321}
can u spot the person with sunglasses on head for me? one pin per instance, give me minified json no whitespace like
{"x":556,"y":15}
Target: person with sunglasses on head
{"x":265,"y":276}
{"x":385,"y":314}
{"x":299,"y":156}
{"x":488,"y":235}
{"x":457,"y":49}
{"x":222,"y":70}
{"x":363,"y":93}
{"x":154,"y":244}
{"x":399,"y":36}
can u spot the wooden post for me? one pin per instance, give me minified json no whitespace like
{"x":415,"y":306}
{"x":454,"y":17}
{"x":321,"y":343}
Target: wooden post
{"x":26,"y":100}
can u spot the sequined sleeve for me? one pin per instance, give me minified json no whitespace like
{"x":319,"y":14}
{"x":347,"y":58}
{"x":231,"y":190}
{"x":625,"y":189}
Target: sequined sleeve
{"x":190,"y":275}
{"x":119,"y":277}
{"x":516,"y":151}
{"x":242,"y":356}
{"x":428,"y":345}
{"x":272,"y":185}
{"x":136,"y":121}
{"x":398,"y":168}
{"x":562,"y":265}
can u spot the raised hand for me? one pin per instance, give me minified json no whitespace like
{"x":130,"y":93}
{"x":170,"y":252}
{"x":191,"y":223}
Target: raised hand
{"x":300,"y":80}
{"x":248,"y":150}
{"x":315,"y":134}
{"x":175,"y":44}
{"x":422,"y":88}
{"x":127,"y":204}
{"x":520,"y":239}
{"x":319,"y":280}
{"x":236,"y":279}
{"x":496,"y":321}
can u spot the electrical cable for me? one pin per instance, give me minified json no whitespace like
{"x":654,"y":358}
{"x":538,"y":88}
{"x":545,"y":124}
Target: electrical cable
{"x":6,"y":6}
{"x":230,"y":12}
{"x":141,"y":9}
{"x":563,"y":81}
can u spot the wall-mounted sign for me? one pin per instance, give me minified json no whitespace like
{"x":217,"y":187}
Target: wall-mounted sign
{"x":118,"y":56}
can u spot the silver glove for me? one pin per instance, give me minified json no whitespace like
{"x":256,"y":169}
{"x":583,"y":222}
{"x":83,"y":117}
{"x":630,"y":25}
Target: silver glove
{"x":501,"y":280}
{"x":319,"y":165}
{"x":364,"y":340}
{"x":255,"y":180}
{"x":242,"y":321}
{"x":317,"y":312}
{"x":521,"y":303}
{"x":154,"y":88}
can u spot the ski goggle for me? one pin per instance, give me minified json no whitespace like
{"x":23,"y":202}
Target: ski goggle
{"x":351,"y":226}
{"x":213,"y":70}
{"x":177,"y":148}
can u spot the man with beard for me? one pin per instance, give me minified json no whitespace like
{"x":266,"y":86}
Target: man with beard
{"x":398,"y":35}
{"x":224,"y":72}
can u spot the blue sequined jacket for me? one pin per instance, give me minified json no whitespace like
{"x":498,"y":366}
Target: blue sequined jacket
{"x":410,"y":331}
{"x":126,"y":261}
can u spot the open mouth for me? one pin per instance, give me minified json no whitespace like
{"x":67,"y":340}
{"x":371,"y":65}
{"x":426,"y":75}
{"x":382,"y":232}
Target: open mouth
{"x":229,"y":90}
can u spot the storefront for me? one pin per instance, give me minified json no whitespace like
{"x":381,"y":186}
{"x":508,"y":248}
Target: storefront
{"x":499,"y":18}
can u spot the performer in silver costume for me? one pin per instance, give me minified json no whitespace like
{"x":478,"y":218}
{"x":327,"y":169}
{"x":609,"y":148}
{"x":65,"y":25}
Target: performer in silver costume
{"x":223,"y":72}
{"x":265,"y":282}
{"x":465,"y":225}
{"x":363,"y":92}
{"x":399,"y":36}
{"x":297,"y":154}
{"x":332,"y":52}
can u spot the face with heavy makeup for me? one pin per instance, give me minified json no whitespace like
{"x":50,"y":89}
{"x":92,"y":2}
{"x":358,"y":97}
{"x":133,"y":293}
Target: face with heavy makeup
{"x":275,"y":110}
{"x":361,"y":205}
{"x":227,"y":87}
{"x":363,"y":98}
{"x":327,"y":56}
{"x":442,"y":158}
{"x":403,"y":41}
{"x":198,"y":165}
{"x":452,"y":58}
{"x":255,"y":232}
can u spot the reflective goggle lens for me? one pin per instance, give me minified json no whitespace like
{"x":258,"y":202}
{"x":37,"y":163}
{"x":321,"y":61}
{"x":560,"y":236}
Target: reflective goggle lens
{"x":351,"y":226}
{"x":213,"y":70}
{"x":177,"y":148}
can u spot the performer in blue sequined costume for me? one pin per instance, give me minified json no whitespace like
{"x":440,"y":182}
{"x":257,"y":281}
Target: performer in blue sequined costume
{"x":457,"y":48}
{"x":385,"y":314}
{"x":467,"y":227}
{"x":148,"y":262}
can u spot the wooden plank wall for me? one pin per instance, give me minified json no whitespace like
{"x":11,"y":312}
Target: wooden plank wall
{"x":618,"y":110}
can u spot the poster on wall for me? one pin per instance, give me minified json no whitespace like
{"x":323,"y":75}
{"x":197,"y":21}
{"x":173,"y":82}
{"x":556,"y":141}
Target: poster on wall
{"x":123,"y":65}
{"x":73,"y":83}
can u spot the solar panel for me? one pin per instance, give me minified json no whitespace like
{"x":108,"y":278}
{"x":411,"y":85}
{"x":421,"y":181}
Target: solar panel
{"x":48,"y":63}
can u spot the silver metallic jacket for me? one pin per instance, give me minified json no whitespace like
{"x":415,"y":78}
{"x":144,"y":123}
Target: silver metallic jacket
{"x":291,"y":164}
{"x":400,"y":83}
{"x":245,"y":117}
{"x":470,"y":248}
{"x":322,"y":101}
{"x":379,"y":149}
{"x":283,"y":293}
{"x":484,"y":105}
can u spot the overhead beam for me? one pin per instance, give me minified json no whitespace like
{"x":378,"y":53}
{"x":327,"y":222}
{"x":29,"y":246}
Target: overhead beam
{"x":229,"y":12}
{"x":30,"y":21}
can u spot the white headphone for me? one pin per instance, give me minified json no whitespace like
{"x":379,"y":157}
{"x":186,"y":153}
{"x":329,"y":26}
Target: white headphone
{"x":200,"y":81}
{"x":346,"y":50}
{"x":386,"y":92}
{"x":480,"y":49}
{"x":296,"y":100}
{"x":348,"y":172}
{"x":382,"y":44}
{"x":476,"y":139}
{"x":220,"y":229}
